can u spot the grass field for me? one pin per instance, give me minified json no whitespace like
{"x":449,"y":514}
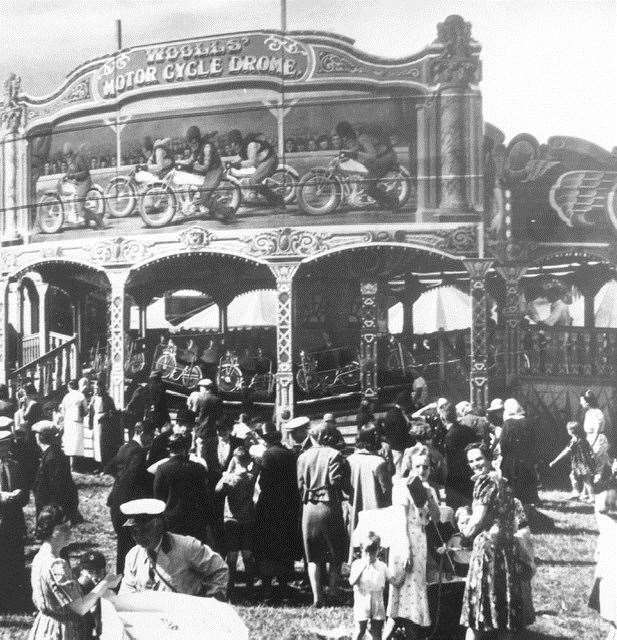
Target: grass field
{"x":565,"y":558}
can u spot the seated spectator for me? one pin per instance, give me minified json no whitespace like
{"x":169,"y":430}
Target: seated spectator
{"x":311,"y":144}
{"x":300,"y":144}
{"x":290,"y":145}
{"x":335,"y":142}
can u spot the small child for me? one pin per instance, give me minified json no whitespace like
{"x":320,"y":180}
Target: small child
{"x":368,"y":577}
{"x":90,"y":571}
{"x":238,"y":486}
{"x":581,"y":460}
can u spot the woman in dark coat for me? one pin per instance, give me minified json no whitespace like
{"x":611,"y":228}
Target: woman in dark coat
{"x":277,"y":538}
{"x":518,"y":453}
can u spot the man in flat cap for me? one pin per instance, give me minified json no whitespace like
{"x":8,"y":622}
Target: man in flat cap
{"x":163,"y":561}
{"x":208,"y":409}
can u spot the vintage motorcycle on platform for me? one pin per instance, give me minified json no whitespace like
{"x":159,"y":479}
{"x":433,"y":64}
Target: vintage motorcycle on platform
{"x":323,"y":190}
{"x":57,"y":206}
{"x":283,"y":181}
{"x":231,"y":379}
{"x":314,"y":381}
{"x":123,"y":192}
{"x":179,"y":192}
{"x":185,"y":372}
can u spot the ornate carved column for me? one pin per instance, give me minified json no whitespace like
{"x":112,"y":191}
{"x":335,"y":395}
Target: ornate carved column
{"x":512,"y":314}
{"x":117,"y":304}
{"x":478,"y":374}
{"x":428,"y":152}
{"x":9,"y":188}
{"x":4,"y":365}
{"x":41,"y":290}
{"x":284,"y":273}
{"x":368,"y":336}
{"x":454,"y":71}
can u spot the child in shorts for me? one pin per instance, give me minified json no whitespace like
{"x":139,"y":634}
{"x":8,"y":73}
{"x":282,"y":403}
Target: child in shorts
{"x":368,"y":577}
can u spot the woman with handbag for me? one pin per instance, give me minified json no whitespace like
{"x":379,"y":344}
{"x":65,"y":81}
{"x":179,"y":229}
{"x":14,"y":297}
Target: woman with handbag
{"x":408,"y":602}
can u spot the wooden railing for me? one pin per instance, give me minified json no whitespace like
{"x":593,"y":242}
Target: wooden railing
{"x":58,"y":339}
{"x":30,"y":348}
{"x":49,"y":372}
{"x":568,"y":351}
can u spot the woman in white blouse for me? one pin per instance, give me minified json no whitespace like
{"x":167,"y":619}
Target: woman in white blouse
{"x":594,"y":424}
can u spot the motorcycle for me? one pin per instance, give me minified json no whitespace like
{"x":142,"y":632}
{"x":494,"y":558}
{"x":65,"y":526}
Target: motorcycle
{"x":179,"y":191}
{"x":123,"y":192}
{"x":56,"y":206}
{"x":283,"y":181}
{"x":323,"y":190}
{"x":314,"y":381}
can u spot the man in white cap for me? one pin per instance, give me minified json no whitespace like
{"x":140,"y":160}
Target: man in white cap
{"x":332,"y":436}
{"x":163,"y":561}
{"x":296,"y":434}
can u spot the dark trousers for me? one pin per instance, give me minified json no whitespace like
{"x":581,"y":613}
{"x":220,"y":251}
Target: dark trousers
{"x":124,"y":543}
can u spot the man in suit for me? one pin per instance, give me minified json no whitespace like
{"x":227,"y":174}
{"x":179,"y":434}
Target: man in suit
{"x":458,"y":485}
{"x":54,"y":483}
{"x":182,"y":485}
{"x":149,"y":402}
{"x":132,"y":482}
{"x":208,"y":410}
{"x":396,"y":428}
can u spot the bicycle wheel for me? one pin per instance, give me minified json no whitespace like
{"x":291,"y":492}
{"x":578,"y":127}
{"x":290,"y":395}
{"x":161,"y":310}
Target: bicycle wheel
{"x":283,"y":183}
{"x":158,"y":205}
{"x":191,"y":376}
{"x":50,"y":214}
{"x":397,"y":182}
{"x":120,"y":195}
{"x":302,"y":378}
{"x":318,"y":194}
{"x":166,"y":365}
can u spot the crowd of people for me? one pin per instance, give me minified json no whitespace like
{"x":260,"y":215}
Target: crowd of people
{"x":195,"y":489}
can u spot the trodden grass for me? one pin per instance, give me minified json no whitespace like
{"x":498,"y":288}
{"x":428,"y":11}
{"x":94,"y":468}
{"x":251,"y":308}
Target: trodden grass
{"x":565,"y":559}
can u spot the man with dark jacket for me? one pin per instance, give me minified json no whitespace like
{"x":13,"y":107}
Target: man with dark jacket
{"x":396,"y":428}
{"x":13,"y":498}
{"x":208,"y":409}
{"x":149,"y":402}
{"x":182,"y":485}
{"x":132,"y":482}
{"x":458,"y":485}
{"x":54,"y":483}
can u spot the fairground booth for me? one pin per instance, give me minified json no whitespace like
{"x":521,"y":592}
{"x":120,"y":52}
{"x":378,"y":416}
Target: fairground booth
{"x":302,"y":307}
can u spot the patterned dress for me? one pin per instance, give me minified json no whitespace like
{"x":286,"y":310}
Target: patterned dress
{"x":410,"y":600}
{"x":493,"y":596}
{"x":53,"y":588}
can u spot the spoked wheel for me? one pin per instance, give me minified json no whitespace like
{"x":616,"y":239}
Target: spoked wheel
{"x":94,"y":204}
{"x":158,"y":206}
{"x":318,"y":194}
{"x":166,"y":365}
{"x":228,"y":194}
{"x":399,"y":183}
{"x":229,"y":378}
{"x":50,"y":214}
{"x":283,"y":183}
{"x":191,"y":376}
{"x":120,"y":195}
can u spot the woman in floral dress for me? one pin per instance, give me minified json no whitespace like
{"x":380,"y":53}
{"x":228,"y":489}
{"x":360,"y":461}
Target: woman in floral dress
{"x":55,"y":592}
{"x":495,"y":598}
{"x":408,"y":601}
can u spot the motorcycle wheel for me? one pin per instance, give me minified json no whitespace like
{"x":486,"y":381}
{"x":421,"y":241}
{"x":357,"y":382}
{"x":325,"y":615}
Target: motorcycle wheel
{"x":229,"y":378}
{"x":191,"y":376}
{"x":95,"y":204}
{"x":318,"y":194}
{"x":166,"y":364}
{"x":398,"y":182}
{"x":50,"y":214}
{"x":283,"y":183}
{"x":120,"y":195}
{"x":158,"y":206}
{"x":228,"y":194}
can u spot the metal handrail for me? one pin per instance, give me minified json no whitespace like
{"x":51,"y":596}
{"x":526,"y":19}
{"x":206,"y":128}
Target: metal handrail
{"x":45,"y":357}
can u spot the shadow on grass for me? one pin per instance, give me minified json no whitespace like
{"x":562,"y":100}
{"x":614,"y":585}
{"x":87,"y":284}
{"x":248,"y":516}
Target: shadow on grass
{"x":538,"y":635}
{"x":565,"y":563}
{"x":566,"y":507}
{"x":576,"y":531}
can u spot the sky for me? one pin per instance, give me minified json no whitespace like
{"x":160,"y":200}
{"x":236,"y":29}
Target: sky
{"x":549,"y":66}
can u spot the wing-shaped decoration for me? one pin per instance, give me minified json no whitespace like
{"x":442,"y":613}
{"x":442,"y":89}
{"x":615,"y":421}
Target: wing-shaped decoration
{"x":580,"y":198}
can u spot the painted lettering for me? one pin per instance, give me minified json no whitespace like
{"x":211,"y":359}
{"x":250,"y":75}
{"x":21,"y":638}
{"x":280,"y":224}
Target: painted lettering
{"x":235,"y":64}
{"x":216,"y":66}
{"x":249,"y":63}
{"x":168,"y":72}
{"x":155,"y":55}
{"x":179,"y":69}
{"x":171,"y":53}
{"x":191,"y":69}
